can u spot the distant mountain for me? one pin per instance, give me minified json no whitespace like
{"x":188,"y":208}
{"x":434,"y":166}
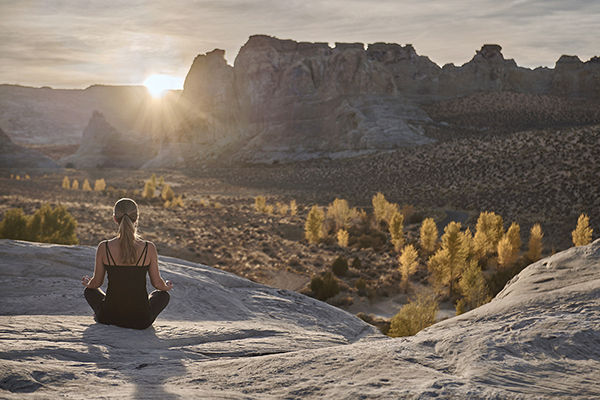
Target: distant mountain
{"x":13,"y":156}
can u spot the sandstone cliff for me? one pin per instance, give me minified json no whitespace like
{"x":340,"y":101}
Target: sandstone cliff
{"x":226,"y":337}
{"x":287,"y":100}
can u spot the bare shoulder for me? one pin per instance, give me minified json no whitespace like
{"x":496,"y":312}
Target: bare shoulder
{"x":151,"y":247}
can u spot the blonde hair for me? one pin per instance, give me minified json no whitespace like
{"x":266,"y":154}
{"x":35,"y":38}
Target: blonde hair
{"x":126,"y":215}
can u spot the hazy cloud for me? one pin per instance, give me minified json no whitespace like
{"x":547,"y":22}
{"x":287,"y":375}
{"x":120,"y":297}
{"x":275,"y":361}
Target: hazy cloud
{"x":78,"y":43}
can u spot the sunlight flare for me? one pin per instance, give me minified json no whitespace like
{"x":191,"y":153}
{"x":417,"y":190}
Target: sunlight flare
{"x":158,"y":85}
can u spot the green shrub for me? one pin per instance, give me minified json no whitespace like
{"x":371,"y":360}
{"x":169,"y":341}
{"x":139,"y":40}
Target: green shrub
{"x":356,"y":264}
{"x":56,"y":225}
{"x":340,"y":266}
{"x":14,"y":225}
{"x":47,"y":225}
{"x":325,"y":287}
{"x":360,"y":284}
{"x":416,"y":315}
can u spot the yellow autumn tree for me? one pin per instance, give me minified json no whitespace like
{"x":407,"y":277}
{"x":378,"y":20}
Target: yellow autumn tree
{"x":86,"y":185}
{"x":313,"y":228}
{"x":535,"y":243}
{"x":75,"y":184}
{"x":429,"y":236}
{"x":343,"y":236}
{"x":582,"y":235}
{"x":447,"y":263}
{"x":149,"y":190}
{"x":338,"y":215}
{"x":473,"y":288}
{"x":509,"y":246}
{"x":379,"y":206}
{"x":489,"y":231}
{"x":293,"y":208}
{"x":408,"y":264}
{"x":66,"y":183}
{"x":396,"y":228}
{"x":99,"y":185}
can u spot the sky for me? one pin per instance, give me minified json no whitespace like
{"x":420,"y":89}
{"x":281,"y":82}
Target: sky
{"x":77,"y":43}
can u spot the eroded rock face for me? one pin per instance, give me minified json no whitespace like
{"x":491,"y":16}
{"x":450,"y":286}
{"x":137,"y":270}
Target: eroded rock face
{"x":102,"y":145}
{"x":224,"y":336}
{"x":287,"y":100}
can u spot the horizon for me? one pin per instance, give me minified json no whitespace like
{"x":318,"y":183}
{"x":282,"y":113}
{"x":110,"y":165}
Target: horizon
{"x":81,"y":44}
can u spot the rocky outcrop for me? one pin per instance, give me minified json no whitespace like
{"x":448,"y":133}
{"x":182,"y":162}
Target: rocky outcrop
{"x":102,"y":145}
{"x":287,"y":100}
{"x":15,"y":157}
{"x":224,"y":336}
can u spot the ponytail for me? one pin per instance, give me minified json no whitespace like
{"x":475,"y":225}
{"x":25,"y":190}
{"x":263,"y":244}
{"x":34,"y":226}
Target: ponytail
{"x":126,"y":214}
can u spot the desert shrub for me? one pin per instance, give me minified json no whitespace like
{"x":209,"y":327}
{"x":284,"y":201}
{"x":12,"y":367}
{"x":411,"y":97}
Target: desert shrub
{"x":342,"y":237}
{"x":356,"y":264}
{"x":360,"y":284}
{"x":75,"y":184}
{"x":489,"y":231}
{"x":167,"y":193}
{"x":416,"y":315}
{"x":177,"y":202}
{"x":14,"y":225}
{"x":582,"y":235}
{"x":149,"y":190}
{"x":340,"y":266}
{"x":338,"y":214}
{"x":99,"y":185}
{"x":260,"y":204}
{"x":396,"y":228}
{"x":66,"y":183}
{"x":313,"y":228}
{"x":53,"y":225}
{"x":379,"y":206}
{"x":282,"y":208}
{"x":408,"y":264}
{"x":535,"y":243}
{"x":293,"y":208}
{"x":86,"y":185}
{"x":325,"y":287}
{"x":429,"y":235}
{"x":474,"y":289}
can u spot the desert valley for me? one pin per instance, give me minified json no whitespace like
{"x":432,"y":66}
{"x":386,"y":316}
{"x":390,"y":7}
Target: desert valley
{"x":297,"y":125}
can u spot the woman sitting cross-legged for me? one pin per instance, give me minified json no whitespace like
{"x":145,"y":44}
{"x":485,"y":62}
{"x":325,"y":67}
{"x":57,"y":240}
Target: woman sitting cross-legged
{"x":126,"y":259}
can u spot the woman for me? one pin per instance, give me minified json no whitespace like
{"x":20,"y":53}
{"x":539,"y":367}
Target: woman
{"x":126,"y":259}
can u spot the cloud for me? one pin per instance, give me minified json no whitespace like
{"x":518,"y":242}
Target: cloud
{"x":78,"y":43}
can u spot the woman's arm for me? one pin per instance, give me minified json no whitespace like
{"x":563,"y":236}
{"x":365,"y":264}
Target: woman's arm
{"x":155,"y":278}
{"x":99,"y":270}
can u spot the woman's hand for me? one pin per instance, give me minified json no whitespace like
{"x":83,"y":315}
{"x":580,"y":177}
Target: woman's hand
{"x":169,"y":285}
{"x":85,"y":281}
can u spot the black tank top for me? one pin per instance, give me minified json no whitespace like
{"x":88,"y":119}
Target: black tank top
{"x":126,"y":303}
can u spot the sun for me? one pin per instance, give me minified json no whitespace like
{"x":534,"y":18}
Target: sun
{"x":159,"y":84}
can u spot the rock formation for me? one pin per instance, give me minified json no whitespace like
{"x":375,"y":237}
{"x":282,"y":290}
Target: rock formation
{"x":19,"y":158}
{"x":102,"y":145}
{"x":287,"y":100}
{"x":225,"y":337}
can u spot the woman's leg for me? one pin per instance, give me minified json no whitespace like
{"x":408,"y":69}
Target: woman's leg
{"x":94,"y":297}
{"x":158,"y":301}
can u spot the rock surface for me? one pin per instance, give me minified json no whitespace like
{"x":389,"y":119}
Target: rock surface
{"x":102,"y":145}
{"x":19,"y":158}
{"x":226,"y":337}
